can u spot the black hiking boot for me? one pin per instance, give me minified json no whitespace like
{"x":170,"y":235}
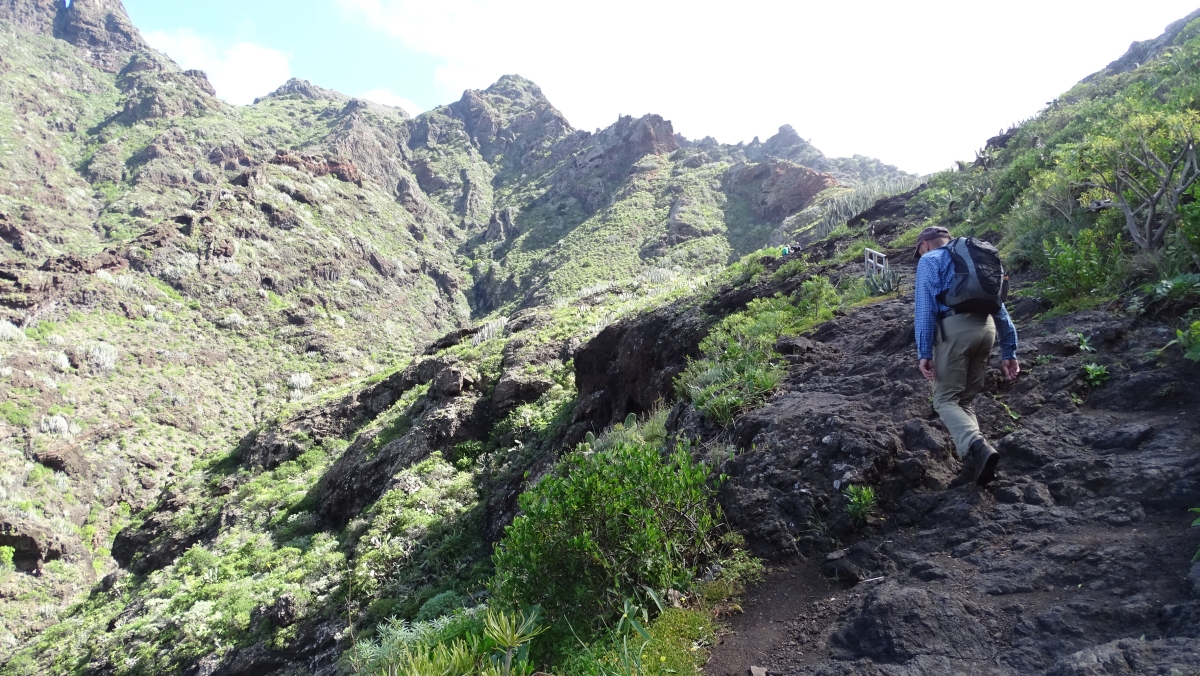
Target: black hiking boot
{"x":979,"y":465}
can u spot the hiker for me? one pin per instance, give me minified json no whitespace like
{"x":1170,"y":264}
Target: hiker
{"x":960,"y":292}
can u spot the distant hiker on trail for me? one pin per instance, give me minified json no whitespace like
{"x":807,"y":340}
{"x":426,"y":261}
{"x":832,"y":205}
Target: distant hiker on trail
{"x":960,"y":292}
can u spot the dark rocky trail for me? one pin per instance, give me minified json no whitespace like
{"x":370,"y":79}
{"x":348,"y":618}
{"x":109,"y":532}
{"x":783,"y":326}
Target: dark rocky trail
{"x":1064,"y":565}
{"x":1075,"y":561}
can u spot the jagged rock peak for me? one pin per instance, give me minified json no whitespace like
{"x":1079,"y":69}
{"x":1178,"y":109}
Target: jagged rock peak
{"x":509,"y":97}
{"x":102,"y":29}
{"x":518,"y":90}
{"x":308,"y":90}
{"x":788,"y":145}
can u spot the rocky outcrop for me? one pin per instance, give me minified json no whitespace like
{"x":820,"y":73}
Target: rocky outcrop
{"x":786,"y":144}
{"x":627,"y":368}
{"x":888,"y":214}
{"x":693,"y":216}
{"x":512,"y":118}
{"x":101,"y":29}
{"x":777,"y":188}
{"x":318,"y":166}
{"x":306,"y":89}
{"x":36,"y":544}
{"x":1132,"y":656}
{"x":157,"y":541}
{"x":35,"y":16}
{"x":605,"y":159}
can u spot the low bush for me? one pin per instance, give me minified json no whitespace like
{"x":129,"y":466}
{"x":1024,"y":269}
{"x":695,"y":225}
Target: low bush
{"x":422,"y":542}
{"x":861,"y":503}
{"x":854,"y":250}
{"x":793,"y":267}
{"x":474,"y":642}
{"x":9,"y":331}
{"x":1178,"y":289}
{"x":908,"y":238}
{"x":1082,"y":273}
{"x":606,"y":527}
{"x":1188,"y":340}
{"x":1095,"y":374}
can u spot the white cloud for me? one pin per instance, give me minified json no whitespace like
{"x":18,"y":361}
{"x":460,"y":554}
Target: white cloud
{"x":918,"y":83}
{"x":386,"y":97}
{"x":239,"y":72}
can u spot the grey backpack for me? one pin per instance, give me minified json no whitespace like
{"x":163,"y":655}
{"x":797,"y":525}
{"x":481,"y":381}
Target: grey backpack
{"x":980,"y":283}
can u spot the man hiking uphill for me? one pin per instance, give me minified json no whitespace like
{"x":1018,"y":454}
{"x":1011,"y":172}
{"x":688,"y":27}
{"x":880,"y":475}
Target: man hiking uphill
{"x":960,"y":311}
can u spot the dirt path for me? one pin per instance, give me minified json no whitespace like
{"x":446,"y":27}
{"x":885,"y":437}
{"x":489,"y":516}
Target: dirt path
{"x":797,"y":620}
{"x":779,"y":617}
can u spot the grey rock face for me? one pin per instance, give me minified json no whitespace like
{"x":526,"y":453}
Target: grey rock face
{"x":36,"y":16}
{"x":102,"y":30}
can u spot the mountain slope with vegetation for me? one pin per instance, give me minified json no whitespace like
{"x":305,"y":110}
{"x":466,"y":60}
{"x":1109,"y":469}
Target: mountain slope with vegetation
{"x":181,"y":278}
{"x":314,"y":386}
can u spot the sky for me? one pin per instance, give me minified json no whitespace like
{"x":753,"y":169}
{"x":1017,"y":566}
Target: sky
{"x":917,"y":84}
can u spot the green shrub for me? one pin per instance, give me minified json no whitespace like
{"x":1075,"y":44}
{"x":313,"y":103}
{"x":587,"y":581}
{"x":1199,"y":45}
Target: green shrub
{"x":442,"y":604}
{"x":6,"y":558}
{"x":1180,"y":288}
{"x":739,"y":365}
{"x":653,"y":430}
{"x":1188,"y":340}
{"x":749,"y":267}
{"x":422,"y":538}
{"x":817,"y":300}
{"x":1095,"y":374}
{"x":1082,"y":272}
{"x":908,"y":238}
{"x":884,"y":283}
{"x":793,"y":267}
{"x":470,"y":643}
{"x":677,"y":640}
{"x":854,"y":250}
{"x":18,"y":415}
{"x":860,"y":503}
{"x":856,"y":290}
{"x":673,"y":643}
{"x":608,"y":525}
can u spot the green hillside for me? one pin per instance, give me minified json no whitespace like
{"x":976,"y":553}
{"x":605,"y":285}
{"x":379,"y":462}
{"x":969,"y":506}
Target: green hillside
{"x":277,"y":379}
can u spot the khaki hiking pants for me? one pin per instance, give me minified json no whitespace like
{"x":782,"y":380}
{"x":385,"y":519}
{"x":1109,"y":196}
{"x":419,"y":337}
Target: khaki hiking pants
{"x":960,"y":357}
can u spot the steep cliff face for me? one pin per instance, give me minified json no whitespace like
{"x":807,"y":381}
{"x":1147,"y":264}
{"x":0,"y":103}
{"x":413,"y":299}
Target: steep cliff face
{"x":35,"y":16}
{"x":101,"y":30}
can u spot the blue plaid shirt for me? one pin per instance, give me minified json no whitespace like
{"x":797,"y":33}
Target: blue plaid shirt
{"x":935,"y":273}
